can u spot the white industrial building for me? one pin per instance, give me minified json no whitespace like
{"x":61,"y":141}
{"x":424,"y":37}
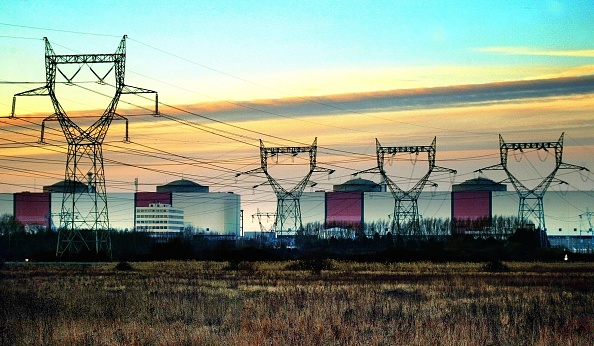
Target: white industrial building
{"x":215,"y":213}
{"x":160,"y":219}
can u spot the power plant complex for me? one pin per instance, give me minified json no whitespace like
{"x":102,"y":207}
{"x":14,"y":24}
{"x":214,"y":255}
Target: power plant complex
{"x":83,"y":213}
{"x":184,"y":207}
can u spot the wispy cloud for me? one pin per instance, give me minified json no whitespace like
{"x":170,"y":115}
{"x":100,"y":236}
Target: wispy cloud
{"x":579,"y":53}
{"x":398,"y":100}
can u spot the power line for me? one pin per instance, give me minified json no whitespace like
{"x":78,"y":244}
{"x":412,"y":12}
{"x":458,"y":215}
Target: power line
{"x":307,"y":99}
{"x":56,"y":30}
{"x":244,"y":138}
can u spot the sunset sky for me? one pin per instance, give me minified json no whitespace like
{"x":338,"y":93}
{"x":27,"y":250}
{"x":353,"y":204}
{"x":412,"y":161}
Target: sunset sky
{"x":231,"y":73}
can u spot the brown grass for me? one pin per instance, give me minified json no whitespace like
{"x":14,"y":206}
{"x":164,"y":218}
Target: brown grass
{"x":206,"y":303}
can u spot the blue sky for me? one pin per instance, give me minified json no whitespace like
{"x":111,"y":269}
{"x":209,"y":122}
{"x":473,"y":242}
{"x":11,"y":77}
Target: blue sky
{"x":288,"y":71}
{"x":252,"y":39}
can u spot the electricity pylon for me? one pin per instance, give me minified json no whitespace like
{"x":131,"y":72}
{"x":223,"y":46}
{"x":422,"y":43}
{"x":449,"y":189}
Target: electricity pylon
{"x":84,"y":219}
{"x":288,"y":209}
{"x":259,"y":215}
{"x":406,"y":210}
{"x":586,"y":226}
{"x":531,"y":200}
{"x":586,"y":221}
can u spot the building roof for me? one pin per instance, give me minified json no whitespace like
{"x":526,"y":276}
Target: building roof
{"x":479,"y":184}
{"x":358,"y":184}
{"x":62,"y":186}
{"x":182,"y":185}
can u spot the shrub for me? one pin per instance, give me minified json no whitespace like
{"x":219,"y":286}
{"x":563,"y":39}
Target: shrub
{"x":247,"y":266}
{"x":316,"y":265}
{"x":125,"y":266}
{"x":495,"y":266}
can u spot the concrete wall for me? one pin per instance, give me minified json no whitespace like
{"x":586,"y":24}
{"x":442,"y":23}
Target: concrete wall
{"x":217,"y":212}
{"x":6,"y":204}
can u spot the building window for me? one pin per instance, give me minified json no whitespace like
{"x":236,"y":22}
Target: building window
{"x":159,"y":218}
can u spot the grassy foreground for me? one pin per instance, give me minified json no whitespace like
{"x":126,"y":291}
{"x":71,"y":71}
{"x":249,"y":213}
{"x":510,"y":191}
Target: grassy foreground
{"x":287,"y":303}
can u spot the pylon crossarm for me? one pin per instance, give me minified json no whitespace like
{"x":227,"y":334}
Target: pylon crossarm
{"x":120,"y":117}
{"x":412,"y":149}
{"x":432,"y":183}
{"x":370,"y":170}
{"x":40,"y":91}
{"x":317,"y":169}
{"x":129,"y":89}
{"x":118,"y":57}
{"x":84,"y":59}
{"x":570,"y":166}
{"x":497,"y":167}
{"x":259,"y":170}
{"x":287,"y":150}
{"x":440,"y":169}
{"x":53,"y":117}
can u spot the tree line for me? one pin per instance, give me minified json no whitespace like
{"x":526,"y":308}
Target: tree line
{"x":376,"y":241}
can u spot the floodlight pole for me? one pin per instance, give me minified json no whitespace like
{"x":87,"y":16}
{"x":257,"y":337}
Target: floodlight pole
{"x":406,"y":219}
{"x":288,"y":209}
{"x":531,"y":200}
{"x":84,"y":217}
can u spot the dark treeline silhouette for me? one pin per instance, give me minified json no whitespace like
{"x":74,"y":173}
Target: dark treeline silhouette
{"x":376,"y":243}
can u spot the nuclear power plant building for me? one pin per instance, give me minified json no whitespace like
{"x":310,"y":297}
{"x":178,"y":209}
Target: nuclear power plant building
{"x":181,"y":205}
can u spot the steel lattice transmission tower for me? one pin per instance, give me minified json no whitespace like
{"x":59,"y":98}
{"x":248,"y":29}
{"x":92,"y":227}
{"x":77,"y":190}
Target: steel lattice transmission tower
{"x":84,"y":219}
{"x":259,"y":215}
{"x":288,"y":208}
{"x":586,"y":226}
{"x":531,"y":200}
{"x":406,"y":210}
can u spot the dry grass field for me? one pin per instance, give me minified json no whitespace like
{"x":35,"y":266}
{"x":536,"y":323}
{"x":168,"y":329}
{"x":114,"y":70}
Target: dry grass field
{"x":286,"y":303}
